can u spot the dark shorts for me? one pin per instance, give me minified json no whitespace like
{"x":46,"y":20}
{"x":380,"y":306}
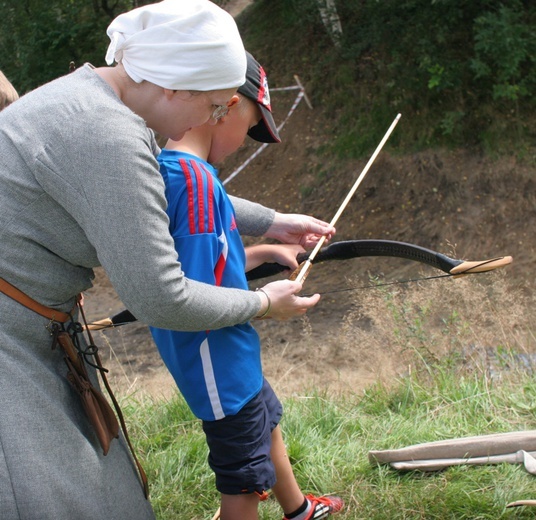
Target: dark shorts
{"x":240,"y":445}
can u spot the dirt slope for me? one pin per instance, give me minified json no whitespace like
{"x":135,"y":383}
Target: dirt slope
{"x":457,"y":202}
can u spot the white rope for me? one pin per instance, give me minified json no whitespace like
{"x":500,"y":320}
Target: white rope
{"x":255,"y":154}
{"x":279,"y":89}
{"x":243,"y":165}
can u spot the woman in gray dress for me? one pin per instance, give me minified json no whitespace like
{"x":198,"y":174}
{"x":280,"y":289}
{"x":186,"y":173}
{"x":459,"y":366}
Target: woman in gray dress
{"x":80,"y":188}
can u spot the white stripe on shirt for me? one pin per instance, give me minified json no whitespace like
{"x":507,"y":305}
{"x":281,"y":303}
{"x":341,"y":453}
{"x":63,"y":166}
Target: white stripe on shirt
{"x":210,"y":381}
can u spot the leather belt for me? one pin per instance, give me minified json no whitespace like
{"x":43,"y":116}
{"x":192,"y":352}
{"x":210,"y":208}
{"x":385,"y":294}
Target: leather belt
{"x":30,"y":303}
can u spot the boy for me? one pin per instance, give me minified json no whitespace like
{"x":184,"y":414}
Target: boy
{"x":219,"y":371}
{"x":8,"y":94}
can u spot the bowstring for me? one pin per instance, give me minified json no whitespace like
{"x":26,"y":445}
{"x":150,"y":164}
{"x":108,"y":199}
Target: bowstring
{"x":383,"y":284}
{"x":399,"y":282}
{"x":370,"y":286}
{"x":345,"y":289}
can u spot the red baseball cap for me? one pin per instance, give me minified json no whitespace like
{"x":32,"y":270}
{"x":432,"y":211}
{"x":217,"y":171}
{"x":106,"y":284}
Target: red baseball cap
{"x":256,"y":89}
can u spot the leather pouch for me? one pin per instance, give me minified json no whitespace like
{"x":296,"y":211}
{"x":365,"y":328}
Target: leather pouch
{"x":97,"y":408}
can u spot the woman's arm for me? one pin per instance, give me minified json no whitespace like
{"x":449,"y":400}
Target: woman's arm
{"x":305,"y":230}
{"x":252,"y":219}
{"x":289,"y":228}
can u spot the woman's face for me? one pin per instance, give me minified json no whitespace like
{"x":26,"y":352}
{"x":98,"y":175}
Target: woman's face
{"x":184,"y":110}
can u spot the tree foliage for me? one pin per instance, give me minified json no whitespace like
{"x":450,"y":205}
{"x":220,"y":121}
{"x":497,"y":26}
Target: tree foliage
{"x":460,"y":70}
{"x":39,"y":39}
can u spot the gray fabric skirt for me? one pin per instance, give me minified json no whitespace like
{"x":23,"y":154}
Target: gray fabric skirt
{"x":51,"y":463}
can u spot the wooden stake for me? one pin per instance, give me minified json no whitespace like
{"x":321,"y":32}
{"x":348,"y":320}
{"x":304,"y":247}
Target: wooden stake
{"x":298,"y":82}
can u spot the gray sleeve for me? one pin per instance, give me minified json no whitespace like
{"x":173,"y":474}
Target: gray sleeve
{"x":252,"y":219}
{"x":116,"y":194}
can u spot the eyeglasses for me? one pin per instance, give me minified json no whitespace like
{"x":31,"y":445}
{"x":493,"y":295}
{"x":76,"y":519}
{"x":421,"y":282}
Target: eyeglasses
{"x":219,"y":112}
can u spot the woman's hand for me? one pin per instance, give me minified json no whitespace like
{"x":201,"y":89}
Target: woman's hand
{"x":280,"y":300}
{"x":290,"y":228}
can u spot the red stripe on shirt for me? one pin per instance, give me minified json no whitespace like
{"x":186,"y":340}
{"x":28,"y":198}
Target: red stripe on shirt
{"x":190,"y":190}
{"x":219,"y":268}
{"x":210,"y":197}
{"x":200,"y":197}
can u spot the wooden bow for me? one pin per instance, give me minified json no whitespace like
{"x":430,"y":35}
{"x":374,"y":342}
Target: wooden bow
{"x":346,"y":250}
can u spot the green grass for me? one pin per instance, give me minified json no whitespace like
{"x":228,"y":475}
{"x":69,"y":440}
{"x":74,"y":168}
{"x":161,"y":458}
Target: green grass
{"x":464,"y":350}
{"x":328,"y":441}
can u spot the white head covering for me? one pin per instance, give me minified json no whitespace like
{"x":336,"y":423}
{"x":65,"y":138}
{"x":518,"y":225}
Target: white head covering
{"x":179,"y":45}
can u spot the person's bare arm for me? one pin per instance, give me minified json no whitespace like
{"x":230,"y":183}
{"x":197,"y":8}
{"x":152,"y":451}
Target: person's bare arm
{"x":284,"y":254}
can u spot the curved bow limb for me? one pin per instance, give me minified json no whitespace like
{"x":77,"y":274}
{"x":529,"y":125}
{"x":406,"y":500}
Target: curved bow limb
{"x":518,"y":503}
{"x":348,"y":249}
{"x":105,"y":323}
{"x":481,"y":266}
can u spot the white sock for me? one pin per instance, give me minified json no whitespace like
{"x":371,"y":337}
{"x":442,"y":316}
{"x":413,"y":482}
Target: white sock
{"x":303,"y":514}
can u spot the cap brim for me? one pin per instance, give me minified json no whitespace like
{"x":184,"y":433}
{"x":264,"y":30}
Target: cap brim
{"x":265,"y":131}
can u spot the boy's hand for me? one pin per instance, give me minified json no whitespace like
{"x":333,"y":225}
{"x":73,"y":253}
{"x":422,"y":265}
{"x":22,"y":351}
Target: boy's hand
{"x":283,"y":254}
{"x":282,"y":296}
{"x":290,"y":228}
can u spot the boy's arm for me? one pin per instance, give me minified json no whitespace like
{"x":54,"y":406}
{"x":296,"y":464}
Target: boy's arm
{"x":284,"y":254}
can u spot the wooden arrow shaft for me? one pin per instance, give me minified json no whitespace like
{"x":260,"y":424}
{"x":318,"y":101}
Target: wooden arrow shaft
{"x":307,"y":265}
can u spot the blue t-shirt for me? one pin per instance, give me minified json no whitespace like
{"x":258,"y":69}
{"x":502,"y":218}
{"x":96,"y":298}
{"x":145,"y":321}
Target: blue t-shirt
{"x":217,"y":371}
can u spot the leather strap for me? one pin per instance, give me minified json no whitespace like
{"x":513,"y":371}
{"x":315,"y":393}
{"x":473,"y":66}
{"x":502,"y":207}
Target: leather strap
{"x":63,"y":317}
{"x":102,"y":371}
{"x":30,"y":303}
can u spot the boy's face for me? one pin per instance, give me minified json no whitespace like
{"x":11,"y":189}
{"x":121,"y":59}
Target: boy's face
{"x":181,"y":110}
{"x":232,"y":129}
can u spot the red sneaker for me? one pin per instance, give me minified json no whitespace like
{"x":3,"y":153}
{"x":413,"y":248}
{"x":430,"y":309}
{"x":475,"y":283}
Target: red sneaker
{"x":322,"y":507}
